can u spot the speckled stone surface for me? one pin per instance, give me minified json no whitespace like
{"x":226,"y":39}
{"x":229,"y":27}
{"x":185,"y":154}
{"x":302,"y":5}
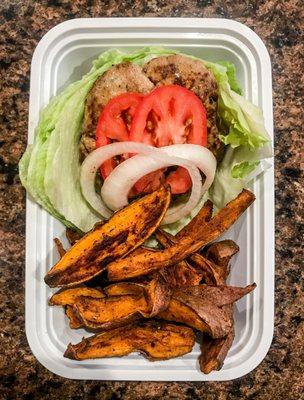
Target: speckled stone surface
{"x":281,"y":25}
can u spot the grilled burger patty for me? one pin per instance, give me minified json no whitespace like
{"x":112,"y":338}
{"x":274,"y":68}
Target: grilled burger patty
{"x":166,"y":70}
{"x":121,"y":78}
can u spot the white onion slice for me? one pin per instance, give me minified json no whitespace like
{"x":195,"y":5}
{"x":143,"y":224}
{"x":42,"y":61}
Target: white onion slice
{"x":100,"y":155}
{"x":118,"y":184}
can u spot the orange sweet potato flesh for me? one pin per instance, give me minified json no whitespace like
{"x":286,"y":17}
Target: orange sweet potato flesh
{"x":69,"y":296}
{"x":126,"y":230}
{"x":146,"y":262}
{"x":156,"y":340}
{"x":109,"y":312}
{"x":180,"y":274}
{"x":74,"y":321}
{"x":203,"y":216}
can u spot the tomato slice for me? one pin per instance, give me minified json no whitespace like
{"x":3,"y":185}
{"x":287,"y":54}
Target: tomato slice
{"x":114,"y":124}
{"x":170,"y":115}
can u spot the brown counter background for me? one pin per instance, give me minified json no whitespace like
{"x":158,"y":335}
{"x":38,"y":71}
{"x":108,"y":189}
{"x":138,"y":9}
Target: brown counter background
{"x":281,"y":25}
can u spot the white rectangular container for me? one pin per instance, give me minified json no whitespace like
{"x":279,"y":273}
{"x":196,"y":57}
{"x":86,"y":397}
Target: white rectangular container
{"x":62,"y":56}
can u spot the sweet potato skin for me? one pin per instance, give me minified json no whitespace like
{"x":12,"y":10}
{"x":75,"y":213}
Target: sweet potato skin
{"x":220,"y":254}
{"x":214,"y":352}
{"x":146,"y":262}
{"x":156,"y":340}
{"x":126,"y":230}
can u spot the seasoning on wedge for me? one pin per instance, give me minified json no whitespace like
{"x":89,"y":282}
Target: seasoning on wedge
{"x":126,"y":230}
{"x":156,"y":340}
{"x":74,"y":321}
{"x":69,"y":296}
{"x":146,"y":262}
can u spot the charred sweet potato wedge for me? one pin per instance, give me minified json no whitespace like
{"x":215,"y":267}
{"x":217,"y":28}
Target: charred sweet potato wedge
{"x":124,"y":288}
{"x":217,"y":295}
{"x":147,"y":262}
{"x":69,"y":296}
{"x":210,"y":272}
{"x":158,"y":295}
{"x":156,"y":340}
{"x":202,"y":316}
{"x":181,"y":274}
{"x":109,"y":312}
{"x":205,"y":308}
{"x":126,"y":230}
{"x":203,"y":216}
{"x":220,"y":253}
{"x":125,"y":302}
{"x":74,"y":321}
{"x":214,"y":352}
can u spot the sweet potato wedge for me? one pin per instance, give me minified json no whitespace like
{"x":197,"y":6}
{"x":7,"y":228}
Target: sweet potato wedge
{"x":74,"y":321}
{"x":181,"y":274}
{"x":210,"y":272}
{"x":220,"y":253}
{"x":202,"y":316}
{"x":201,"y":267}
{"x":69,"y":296}
{"x":158,"y":295}
{"x":203,"y":216}
{"x":146,"y":262}
{"x":217,"y":295}
{"x":156,"y":340}
{"x":126,"y":230}
{"x":109,"y":312}
{"x":214,"y":352}
{"x":125,"y":288}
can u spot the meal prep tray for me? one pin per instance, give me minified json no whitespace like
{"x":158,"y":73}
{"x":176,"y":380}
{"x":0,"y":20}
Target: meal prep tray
{"x":62,"y":56}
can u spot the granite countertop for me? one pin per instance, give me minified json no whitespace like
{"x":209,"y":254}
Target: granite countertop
{"x":281,"y":26}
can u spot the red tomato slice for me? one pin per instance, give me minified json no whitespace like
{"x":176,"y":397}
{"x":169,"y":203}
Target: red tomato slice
{"x":169,"y":115}
{"x":114,"y":124}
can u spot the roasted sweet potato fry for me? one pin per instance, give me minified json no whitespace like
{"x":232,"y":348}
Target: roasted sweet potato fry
{"x":125,"y":288}
{"x":214,"y":352}
{"x":203,"y":268}
{"x":109,"y":312}
{"x":217,"y":295}
{"x":75,"y":322}
{"x":203,"y":216}
{"x":156,"y":340}
{"x":202,"y":316}
{"x":220,"y":253}
{"x":146,"y":262}
{"x":211,"y":274}
{"x":126,"y":230}
{"x":69,"y":296}
{"x":181,"y":274}
{"x":204,"y":307}
{"x":158,"y":296}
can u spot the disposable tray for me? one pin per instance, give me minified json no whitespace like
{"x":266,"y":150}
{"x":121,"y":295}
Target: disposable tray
{"x":62,"y":56}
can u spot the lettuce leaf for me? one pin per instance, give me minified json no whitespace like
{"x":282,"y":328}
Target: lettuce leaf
{"x":49,"y":169}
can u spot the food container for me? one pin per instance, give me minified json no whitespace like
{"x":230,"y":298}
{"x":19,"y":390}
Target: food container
{"x":62,"y":56}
